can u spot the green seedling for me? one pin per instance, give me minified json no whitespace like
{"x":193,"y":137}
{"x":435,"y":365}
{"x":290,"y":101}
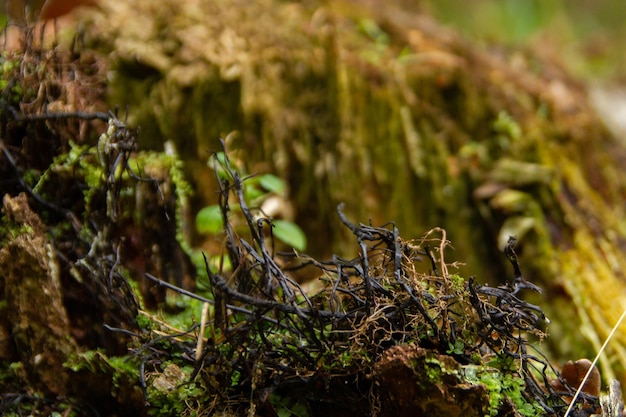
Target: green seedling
{"x":257,"y":190}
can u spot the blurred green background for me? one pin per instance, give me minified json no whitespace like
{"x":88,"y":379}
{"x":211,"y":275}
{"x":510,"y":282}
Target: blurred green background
{"x":587,"y":35}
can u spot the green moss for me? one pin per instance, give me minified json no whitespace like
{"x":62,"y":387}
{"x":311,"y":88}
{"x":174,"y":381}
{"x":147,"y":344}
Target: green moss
{"x":9,"y":66}
{"x":189,"y":314}
{"x":502,"y":384}
{"x":11,"y":376}
{"x":435,"y":369}
{"x":169,"y":392}
{"x":458,"y":283}
{"x":93,"y":361}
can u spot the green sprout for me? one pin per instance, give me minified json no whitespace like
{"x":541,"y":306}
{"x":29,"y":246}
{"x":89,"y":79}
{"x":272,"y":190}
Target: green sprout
{"x":257,"y":190}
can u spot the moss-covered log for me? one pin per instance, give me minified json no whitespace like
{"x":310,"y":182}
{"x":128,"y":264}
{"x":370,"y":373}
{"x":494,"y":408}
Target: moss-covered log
{"x":402,"y":120}
{"x":383,"y":110}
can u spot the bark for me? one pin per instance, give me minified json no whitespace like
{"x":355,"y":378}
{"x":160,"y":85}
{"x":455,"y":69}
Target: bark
{"x":35,"y":313}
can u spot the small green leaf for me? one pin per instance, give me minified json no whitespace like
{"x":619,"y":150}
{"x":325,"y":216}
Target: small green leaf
{"x":272,"y":183}
{"x":251,"y":194}
{"x":289,"y":233}
{"x":209,"y":220}
{"x":218,"y":163}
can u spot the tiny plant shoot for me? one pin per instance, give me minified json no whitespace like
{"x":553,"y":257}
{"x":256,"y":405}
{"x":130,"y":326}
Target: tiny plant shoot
{"x":261,"y":193}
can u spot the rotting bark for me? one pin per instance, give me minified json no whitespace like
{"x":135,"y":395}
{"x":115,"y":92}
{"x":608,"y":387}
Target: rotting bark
{"x":402,"y":371}
{"x":79,"y":225}
{"x":38,"y":328}
{"x":37,"y":320}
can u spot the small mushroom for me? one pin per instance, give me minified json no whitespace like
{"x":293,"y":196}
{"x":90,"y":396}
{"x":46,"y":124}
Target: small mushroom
{"x":574,"y":372}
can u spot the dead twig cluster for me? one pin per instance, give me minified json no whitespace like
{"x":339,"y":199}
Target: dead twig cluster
{"x":265,"y":335}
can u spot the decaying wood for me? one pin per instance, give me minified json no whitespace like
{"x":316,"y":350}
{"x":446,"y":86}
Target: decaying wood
{"x":39,"y":326}
{"x":381,"y":109}
{"x":399,"y":118}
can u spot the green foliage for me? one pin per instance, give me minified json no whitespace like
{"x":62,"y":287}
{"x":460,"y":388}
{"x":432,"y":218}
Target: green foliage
{"x":458,"y":283}
{"x":170,"y":393}
{"x":76,"y":162}
{"x":507,"y":20}
{"x":502,"y":384}
{"x":96,"y":362}
{"x":458,"y":348}
{"x":209,"y":220}
{"x":187,"y":316}
{"x":256,"y":190}
{"x":271,"y":183}
{"x":491,"y":381}
{"x":10,"y":373}
{"x":435,"y":369}
{"x":144,"y":322}
{"x":9,"y":65}
{"x":289,"y":233}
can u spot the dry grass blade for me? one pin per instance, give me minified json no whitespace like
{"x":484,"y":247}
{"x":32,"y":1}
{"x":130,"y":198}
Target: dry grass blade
{"x":593,"y":364}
